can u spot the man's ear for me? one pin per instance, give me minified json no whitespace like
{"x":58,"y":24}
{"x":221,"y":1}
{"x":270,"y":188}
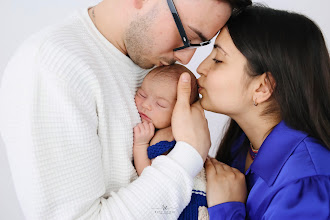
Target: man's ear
{"x":264,"y":88}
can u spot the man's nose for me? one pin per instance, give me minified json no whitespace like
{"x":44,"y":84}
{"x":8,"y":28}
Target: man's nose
{"x":185,"y":55}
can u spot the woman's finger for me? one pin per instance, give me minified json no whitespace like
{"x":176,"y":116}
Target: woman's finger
{"x":209,"y":168}
{"x":218,"y":166}
{"x":236,"y":170}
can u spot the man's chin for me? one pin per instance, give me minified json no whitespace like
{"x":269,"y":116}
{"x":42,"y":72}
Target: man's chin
{"x":144,"y":64}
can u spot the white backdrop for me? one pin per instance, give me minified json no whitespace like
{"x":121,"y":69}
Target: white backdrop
{"x":19,"y":19}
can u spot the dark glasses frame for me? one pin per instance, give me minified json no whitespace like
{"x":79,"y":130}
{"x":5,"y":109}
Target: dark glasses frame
{"x":185,"y":40}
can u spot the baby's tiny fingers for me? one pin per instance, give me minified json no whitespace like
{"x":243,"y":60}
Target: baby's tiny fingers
{"x":151,"y":126}
{"x":146,"y":126}
{"x":136,"y":129}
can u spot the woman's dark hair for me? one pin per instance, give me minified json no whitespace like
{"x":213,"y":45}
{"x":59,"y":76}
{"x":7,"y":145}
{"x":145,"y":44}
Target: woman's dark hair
{"x":238,"y":5}
{"x":291,"y":47}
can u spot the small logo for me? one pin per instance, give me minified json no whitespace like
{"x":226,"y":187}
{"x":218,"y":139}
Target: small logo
{"x":164,"y":210}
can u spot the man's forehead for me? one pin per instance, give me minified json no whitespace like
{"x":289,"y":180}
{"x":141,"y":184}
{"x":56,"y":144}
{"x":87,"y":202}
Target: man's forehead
{"x":204,"y":17}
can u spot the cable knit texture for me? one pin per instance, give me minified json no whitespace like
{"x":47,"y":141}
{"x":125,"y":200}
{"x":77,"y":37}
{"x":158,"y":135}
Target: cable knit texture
{"x":67,"y":116}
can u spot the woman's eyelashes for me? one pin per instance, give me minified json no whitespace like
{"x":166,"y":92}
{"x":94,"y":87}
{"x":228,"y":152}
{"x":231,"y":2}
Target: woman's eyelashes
{"x":217,"y":61}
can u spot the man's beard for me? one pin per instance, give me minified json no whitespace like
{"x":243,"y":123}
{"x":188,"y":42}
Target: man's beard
{"x":138,"y":43}
{"x":139,"y":40}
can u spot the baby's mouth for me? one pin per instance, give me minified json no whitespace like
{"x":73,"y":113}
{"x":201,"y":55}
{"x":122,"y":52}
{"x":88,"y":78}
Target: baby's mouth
{"x":145,"y":117}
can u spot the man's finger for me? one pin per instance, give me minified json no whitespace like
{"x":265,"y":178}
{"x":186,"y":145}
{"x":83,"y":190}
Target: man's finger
{"x":184,"y":90}
{"x":197,"y":105}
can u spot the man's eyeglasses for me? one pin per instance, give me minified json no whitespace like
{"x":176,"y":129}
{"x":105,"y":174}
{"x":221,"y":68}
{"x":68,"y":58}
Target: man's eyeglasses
{"x":185,"y":40}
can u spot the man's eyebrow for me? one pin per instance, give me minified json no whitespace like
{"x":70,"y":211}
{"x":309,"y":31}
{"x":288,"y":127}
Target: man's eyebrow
{"x":200,"y":35}
{"x":217,"y":46}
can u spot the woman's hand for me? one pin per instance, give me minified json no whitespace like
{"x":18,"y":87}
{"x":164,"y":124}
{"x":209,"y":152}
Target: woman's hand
{"x":224,"y":183}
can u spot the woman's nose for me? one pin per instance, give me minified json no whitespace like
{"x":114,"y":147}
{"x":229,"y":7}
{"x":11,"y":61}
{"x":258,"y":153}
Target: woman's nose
{"x":202,"y":69}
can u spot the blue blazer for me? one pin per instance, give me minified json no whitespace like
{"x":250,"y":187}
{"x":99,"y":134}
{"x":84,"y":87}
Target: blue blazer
{"x":289,"y":179}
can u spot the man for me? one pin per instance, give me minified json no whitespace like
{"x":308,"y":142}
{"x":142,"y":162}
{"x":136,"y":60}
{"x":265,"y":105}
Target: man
{"x":67,"y":110}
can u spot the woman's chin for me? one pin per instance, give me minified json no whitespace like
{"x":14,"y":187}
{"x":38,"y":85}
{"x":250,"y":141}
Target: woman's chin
{"x":204,"y":104}
{"x":209,"y":107}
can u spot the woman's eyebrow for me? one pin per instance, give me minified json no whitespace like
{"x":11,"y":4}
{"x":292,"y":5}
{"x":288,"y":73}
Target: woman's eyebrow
{"x":217,"y":46}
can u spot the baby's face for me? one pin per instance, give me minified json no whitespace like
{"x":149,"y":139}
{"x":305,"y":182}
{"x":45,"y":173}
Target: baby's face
{"x":155,"y":100}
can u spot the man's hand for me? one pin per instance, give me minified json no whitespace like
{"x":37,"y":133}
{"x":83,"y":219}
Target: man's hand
{"x":143,"y":133}
{"x":188,"y":122}
{"x":223,"y":183}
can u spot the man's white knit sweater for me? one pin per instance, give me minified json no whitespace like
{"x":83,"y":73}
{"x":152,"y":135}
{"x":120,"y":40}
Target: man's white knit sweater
{"x":67,"y":114}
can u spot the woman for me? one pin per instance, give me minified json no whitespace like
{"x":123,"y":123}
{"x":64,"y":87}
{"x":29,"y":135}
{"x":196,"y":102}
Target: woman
{"x":269,"y":72}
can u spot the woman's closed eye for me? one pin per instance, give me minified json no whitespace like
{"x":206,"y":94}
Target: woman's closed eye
{"x":217,"y":61}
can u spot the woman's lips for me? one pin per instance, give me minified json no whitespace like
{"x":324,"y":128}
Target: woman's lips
{"x":143,"y":116}
{"x":199,"y":87}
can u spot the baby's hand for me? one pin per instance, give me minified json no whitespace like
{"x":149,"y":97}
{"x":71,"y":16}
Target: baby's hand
{"x":143,"y":133}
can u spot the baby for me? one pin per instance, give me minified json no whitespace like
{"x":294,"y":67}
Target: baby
{"x":155,"y":101}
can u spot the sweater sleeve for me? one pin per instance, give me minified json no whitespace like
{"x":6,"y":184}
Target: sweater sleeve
{"x":50,"y":131}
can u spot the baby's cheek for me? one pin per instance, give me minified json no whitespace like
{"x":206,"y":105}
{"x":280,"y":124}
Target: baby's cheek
{"x":167,"y":118}
{"x":136,"y":100}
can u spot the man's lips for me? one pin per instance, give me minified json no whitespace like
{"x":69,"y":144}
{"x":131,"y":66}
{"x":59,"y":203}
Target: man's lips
{"x":143,"y":116}
{"x":163,"y":63}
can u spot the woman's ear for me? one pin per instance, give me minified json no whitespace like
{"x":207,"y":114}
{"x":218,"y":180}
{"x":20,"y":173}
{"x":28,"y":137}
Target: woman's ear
{"x":264,"y":89}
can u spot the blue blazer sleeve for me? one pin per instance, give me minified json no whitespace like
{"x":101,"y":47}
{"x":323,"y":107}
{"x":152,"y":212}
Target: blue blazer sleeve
{"x":307,"y":198}
{"x":228,"y":210}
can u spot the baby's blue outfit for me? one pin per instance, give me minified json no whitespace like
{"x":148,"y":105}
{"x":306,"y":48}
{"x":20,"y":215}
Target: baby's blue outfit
{"x":198,"y":198}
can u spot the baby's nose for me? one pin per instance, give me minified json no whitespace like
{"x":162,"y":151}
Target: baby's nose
{"x":146,"y":105}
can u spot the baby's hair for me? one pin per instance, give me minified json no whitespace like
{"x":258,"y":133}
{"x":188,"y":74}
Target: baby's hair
{"x":173,"y":72}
